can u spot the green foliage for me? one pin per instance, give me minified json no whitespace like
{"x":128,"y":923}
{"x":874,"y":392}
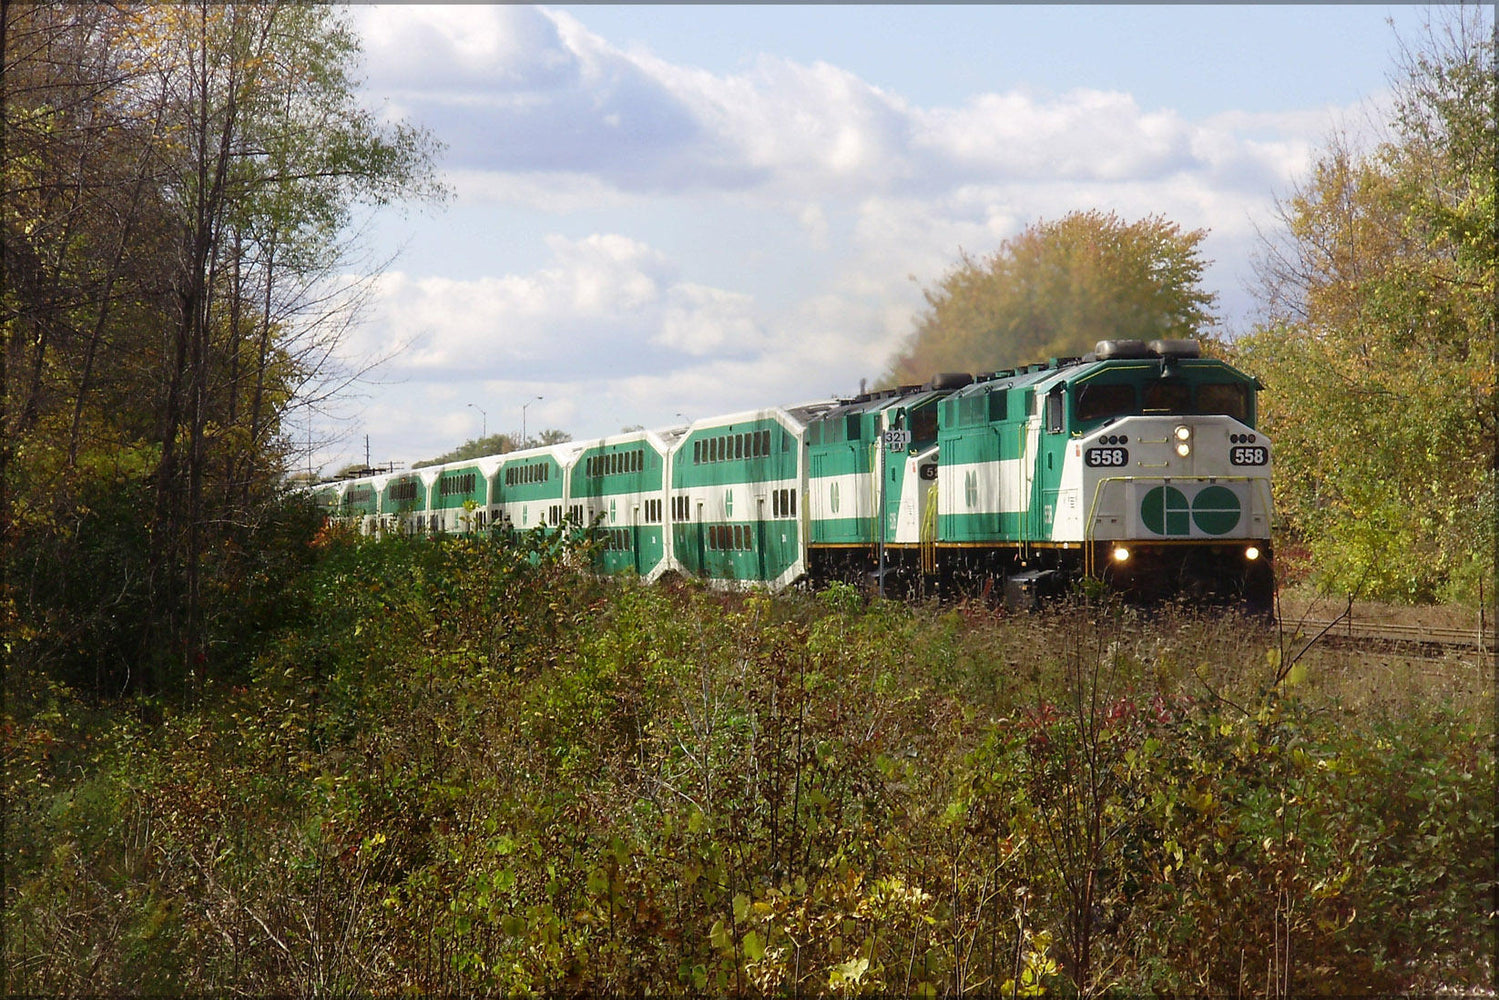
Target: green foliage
{"x":461,"y":765}
{"x":1057,"y":289}
{"x":77,"y":567}
{"x":1379,"y":359}
{"x":178,"y":182}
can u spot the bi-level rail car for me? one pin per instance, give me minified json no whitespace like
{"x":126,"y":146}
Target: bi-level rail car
{"x":736,"y":499}
{"x":620,"y":484}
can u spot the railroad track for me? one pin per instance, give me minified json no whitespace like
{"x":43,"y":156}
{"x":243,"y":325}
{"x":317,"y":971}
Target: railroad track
{"x":1346,"y":630}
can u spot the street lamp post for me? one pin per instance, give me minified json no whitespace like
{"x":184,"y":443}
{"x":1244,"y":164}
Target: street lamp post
{"x":483,"y":422}
{"x":523,"y":420}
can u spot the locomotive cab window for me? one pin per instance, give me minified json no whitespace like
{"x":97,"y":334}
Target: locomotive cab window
{"x":1168,"y":397}
{"x":923,"y":424}
{"x":1054,"y":411}
{"x":1097,"y":402}
{"x":1229,"y":399}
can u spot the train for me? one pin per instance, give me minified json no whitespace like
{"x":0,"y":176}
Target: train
{"x":1137,"y":466}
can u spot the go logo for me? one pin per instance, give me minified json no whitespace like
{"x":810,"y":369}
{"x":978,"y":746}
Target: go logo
{"x":1166,"y":511}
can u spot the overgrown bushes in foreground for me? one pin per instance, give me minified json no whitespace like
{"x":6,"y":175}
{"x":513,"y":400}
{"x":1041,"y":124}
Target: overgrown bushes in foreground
{"x":469,"y":768}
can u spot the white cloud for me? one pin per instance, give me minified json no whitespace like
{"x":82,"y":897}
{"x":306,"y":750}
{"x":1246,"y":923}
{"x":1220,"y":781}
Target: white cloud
{"x":523,"y":93}
{"x":452,"y":49}
{"x":545,"y":117}
{"x":700,"y":321}
{"x":596,"y":304}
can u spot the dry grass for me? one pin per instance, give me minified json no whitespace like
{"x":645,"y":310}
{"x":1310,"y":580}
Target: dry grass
{"x":1304,"y":602}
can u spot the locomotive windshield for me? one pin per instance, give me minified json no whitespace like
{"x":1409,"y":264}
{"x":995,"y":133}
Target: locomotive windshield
{"x":1230,"y":399}
{"x":1103,"y":401}
{"x":1096,"y":402}
{"x":1168,"y":397}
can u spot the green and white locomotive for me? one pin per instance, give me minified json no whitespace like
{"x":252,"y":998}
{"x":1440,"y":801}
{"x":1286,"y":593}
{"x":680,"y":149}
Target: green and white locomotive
{"x":1138,"y":465}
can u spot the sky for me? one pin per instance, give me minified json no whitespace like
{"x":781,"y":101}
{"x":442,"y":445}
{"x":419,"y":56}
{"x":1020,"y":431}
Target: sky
{"x":663,"y":213}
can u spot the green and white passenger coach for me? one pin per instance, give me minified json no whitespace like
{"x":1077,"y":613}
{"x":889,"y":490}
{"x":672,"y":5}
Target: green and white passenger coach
{"x":736,"y":498}
{"x":618,"y":483}
{"x":1138,"y":465}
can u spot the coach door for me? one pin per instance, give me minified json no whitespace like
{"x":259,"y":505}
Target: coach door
{"x":702,"y":542}
{"x":760,"y":538}
{"x":635,"y":536}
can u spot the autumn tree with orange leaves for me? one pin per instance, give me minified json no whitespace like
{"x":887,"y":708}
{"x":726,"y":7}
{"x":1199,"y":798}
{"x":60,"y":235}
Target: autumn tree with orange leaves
{"x":1057,"y":289}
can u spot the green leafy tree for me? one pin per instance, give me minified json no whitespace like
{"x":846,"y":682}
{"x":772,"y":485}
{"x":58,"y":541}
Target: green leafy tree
{"x":495,"y":444}
{"x":1378,"y":351}
{"x":175,"y":188}
{"x":1056,"y":289}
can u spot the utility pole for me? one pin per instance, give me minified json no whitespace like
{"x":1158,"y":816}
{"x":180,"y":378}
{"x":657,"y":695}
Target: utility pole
{"x":483,"y":422}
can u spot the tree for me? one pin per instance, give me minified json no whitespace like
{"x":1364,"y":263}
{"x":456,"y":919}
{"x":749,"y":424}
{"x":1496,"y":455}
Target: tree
{"x":1378,"y":348}
{"x":175,"y":189}
{"x":1057,"y":289}
{"x":496,"y":444}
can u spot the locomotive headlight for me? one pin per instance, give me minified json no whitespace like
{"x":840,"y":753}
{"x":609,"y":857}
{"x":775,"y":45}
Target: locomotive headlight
{"x":1121,"y":554}
{"x":1183,"y":440}
{"x":1252,"y":553}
